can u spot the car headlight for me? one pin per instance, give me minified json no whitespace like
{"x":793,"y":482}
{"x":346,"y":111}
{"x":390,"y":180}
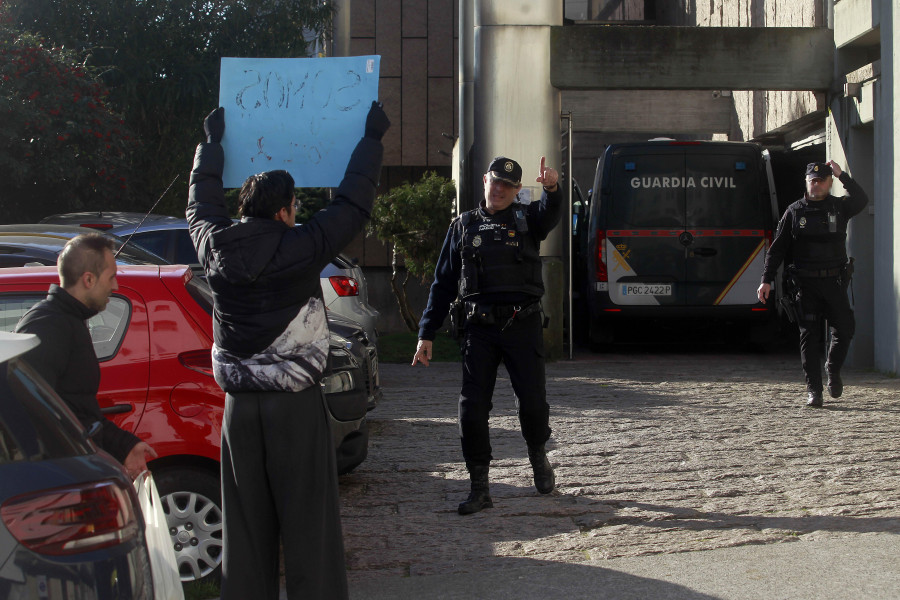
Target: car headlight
{"x":338,"y":382}
{"x":342,"y":360}
{"x":337,"y":341}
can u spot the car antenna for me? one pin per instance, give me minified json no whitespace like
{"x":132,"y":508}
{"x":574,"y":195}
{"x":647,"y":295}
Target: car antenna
{"x":128,"y":239}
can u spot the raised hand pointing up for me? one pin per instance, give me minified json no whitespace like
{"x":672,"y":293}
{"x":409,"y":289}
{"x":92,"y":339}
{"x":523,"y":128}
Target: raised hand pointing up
{"x":548,"y":176}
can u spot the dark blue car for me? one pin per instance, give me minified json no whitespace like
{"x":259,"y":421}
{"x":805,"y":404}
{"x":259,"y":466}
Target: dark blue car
{"x":70,"y":522}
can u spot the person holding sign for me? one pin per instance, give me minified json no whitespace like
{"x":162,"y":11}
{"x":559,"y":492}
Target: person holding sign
{"x":279,"y":475}
{"x":491,"y":265}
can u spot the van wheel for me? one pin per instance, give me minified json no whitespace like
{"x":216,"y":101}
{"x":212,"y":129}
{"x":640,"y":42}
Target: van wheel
{"x":192,"y":501}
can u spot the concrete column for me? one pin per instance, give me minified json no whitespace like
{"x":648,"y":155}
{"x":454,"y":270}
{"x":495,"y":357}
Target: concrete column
{"x":887,"y":188}
{"x":517,"y":114}
{"x":462,"y":152}
{"x":341,"y":28}
{"x":852,"y":146}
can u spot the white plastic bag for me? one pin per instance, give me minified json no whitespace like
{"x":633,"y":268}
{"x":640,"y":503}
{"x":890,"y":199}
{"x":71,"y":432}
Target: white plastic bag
{"x":166,"y":580}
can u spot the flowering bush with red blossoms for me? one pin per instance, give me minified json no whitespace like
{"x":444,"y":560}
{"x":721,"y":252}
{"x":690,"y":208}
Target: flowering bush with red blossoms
{"x":61,"y":147}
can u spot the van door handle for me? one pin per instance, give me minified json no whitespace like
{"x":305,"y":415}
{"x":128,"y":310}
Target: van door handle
{"x":705,"y":251}
{"x":116,"y":409}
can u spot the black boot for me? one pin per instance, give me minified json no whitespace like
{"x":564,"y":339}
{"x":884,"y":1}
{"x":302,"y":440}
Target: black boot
{"x":814,"y":399}
{"x":835,"y":384}
{"x":480,"y":497}
{"x":544,"y":479}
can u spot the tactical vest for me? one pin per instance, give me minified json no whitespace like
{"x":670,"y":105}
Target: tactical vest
{"x":820,"y":235}
{"x":499,"y":254}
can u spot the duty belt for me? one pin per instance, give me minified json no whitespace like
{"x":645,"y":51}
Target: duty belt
{"x":505,"y":311}
{"x":819,"y":273}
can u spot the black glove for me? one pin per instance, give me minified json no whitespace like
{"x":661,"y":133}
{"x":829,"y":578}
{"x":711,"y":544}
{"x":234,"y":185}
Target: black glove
{"x":214,"y":126}
{"x":377,"y":122}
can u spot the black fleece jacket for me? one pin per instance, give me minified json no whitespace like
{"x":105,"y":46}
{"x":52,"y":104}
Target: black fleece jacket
{"x":269,"y":322}
{"x":66,"y":359}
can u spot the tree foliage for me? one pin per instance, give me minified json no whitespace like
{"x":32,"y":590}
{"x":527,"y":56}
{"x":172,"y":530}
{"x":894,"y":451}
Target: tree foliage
{"x":160,"y":60}
{"x":413,"y":218}
{"x":63,"y":147}
{"x":311,"y":200}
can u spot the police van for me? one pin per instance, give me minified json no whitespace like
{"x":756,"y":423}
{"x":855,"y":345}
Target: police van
{"x":679,"y":230}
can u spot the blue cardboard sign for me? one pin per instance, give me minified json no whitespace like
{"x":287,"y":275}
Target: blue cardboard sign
{"x":303,"y":115}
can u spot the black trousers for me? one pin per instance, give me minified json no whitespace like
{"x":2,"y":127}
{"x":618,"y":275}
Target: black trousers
{"x":521,"y":348}
{"x":279,"y":483}
{"x":824,"y":299}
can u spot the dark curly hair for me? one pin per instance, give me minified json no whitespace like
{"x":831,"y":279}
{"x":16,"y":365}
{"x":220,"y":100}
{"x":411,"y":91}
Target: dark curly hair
{"x":264,"y":194}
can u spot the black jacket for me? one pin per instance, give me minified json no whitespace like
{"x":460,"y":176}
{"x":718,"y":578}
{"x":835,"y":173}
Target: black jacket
{"x":541,"y":216}
{"x":803,"y":231}
{"x":269,"y":323}
{"x":66,"y":359}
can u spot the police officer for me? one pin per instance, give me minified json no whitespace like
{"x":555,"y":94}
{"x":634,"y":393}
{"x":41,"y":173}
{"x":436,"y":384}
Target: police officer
{"x":813,"y":231}
{"x":491,"y":262}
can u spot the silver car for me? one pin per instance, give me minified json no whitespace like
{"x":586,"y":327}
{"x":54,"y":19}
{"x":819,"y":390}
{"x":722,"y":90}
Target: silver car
{"x":343,"y":283}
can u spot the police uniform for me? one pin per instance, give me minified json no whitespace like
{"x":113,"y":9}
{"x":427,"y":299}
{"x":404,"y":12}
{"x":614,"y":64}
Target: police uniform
{"x":814,"y":234}
{"x":491,"y":263}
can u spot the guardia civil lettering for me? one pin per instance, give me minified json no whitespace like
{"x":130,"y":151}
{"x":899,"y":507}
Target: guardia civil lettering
{"x":683,"y":182}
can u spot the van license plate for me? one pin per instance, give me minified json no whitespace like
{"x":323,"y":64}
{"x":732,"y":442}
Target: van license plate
{"x":647,"y":289}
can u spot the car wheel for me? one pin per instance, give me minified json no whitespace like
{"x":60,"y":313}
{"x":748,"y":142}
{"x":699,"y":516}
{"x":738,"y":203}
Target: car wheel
{"x":353,"y":450}
{"x":191,"y":499}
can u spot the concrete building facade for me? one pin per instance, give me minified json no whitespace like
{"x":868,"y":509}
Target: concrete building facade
{"x":862,"y":131}
{"x":847,"y":116}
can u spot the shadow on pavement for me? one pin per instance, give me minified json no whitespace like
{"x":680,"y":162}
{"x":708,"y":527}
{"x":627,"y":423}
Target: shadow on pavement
{"x":526,"y":579}
{"x":690,"y":519}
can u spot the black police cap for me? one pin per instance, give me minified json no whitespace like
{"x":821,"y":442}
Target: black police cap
{"x":820,"y":170}
{"x":506,"y":169}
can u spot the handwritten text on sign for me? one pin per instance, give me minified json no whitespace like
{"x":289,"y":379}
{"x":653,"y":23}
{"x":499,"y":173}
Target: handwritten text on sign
{"x":303,"y":115}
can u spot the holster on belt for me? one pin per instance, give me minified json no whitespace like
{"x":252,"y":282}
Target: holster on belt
{"x":457,"y":319}
{"x":790,"y":300}
{"x":847,"y":273}
{"x":478,"y":313}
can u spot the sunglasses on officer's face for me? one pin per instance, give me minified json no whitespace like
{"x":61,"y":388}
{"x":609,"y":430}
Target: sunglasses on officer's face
{"x":503,"y":182}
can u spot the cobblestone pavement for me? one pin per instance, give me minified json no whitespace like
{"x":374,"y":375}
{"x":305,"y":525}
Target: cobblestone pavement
{"x":654,"y":453}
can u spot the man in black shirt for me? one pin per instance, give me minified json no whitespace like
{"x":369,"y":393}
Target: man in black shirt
{"x":65,"y":357}
{"x":491,"y":261}
{"x":813,"y":231}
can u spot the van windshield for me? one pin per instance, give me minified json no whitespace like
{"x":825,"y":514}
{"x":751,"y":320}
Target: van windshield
{"x":727,"y":192}
{"x":694,"y":189}
{"x":647,"y":192}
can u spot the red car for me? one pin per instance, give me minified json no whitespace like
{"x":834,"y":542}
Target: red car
{"x":153,"y":342}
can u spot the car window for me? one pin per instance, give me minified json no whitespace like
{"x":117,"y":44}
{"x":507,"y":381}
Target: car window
{"x":156,"y":242}
{"x":185,"y":253}
{"x":33,"y":423}
{"x":107,"y":328}
{"x":132,"y":254}
{"x":13,"y":306}
{"x":8,"y":261}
